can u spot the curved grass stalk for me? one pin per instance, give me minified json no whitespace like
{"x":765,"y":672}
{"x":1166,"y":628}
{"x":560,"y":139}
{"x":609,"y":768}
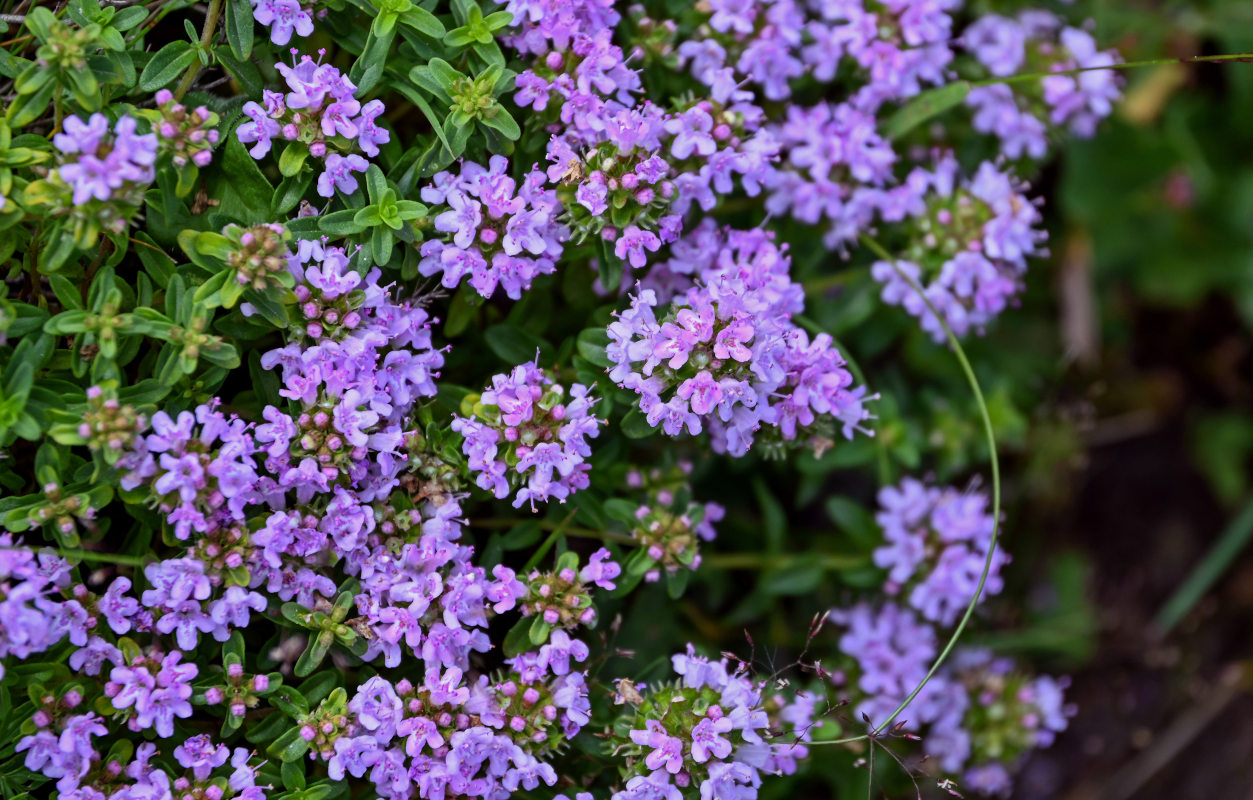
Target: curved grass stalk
{"x":975,"y":388}
{"x":879,"y":250}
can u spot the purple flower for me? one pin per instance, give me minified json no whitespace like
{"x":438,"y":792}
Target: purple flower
{"x":99,"y":166}
{"x":559,"y":651}
{"x":232,"y":610}
{"x":200,"y":755}
{"x":667,"y":750}
{"x":601,"y":570}
{"x":692,"y":134}
{"x":378,"y":709}
{"x":154,"y":693}
{"x":261,"y":129}
{"x":187,"y":621}
{"x":502,"y":234}
{"x":593,"y":195}
{"x":707,"y":741}
{"x":370,"y":135}
{"x":339,"y":174}
{"x":633,"y":243}
{"x":283,"y":17}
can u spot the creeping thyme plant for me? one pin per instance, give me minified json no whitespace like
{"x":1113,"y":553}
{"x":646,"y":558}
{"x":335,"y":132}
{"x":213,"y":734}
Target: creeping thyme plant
{"x":363,"y":363}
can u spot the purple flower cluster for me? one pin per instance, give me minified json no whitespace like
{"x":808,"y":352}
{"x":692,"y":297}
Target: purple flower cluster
{"x":105,"y":163}
{"x":627,"y":170}
{"x":179,"y":602}
{"x":199,"y":467}
{"x":283,"y":18}
{"x":198,"y":755}
{"x":357,"y":362}
{"x":835,"y":165}
{"x":725,"y":354}
{"x":901,"y":46}
{"x":669,"y":526}
{"x":62,"y":748}
{"x":1010,"y":713}
{"x":424,"y":598}
{"x":188,"y":136}
{"x":968,"y":245}
{"x":318,"y":113}
{"x":527,"y":433}
{"x":977,"y":712}
{"x":497,"y":233}
{"x":453,"y":736}
{"x":547,"y":25}
{"x":891,"y":650}
{"x":898,"y":47}
{"x":32,"y":617}
{"x":935,"y":548}
{"x":1036,"y":41}
{"x":563,"y":598}
{"x":151,"y":691}
{"x":711,"y":731}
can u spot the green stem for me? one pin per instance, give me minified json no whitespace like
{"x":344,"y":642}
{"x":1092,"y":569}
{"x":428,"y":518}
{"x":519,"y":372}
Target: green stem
{"x":569,"y":530}
{"x":206,"y":39}
{"x":549,"y":542}
{"x":85,"y":555}
{"x":879,"y":250}
{"x":1151,"y":62}
{"x":771,"y":561}
{"x":824,"y":283}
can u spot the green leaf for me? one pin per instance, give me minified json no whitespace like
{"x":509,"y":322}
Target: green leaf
{"x":239,"y":28}
{"x":66,"y":323}
{"x":289,"y":701}
{"x":242,"y":70}
{"x":539,"y":630}
{"x":622,"y":510}
{"x":423,"y":22}
{"x":268,"y":307}
{"x":591,"y":344}
{"x":234,"y":646}
{"x":635,"y":425}
{"x":27,"y":108}
{"x":437,"y":123}
{"x":244,"y":190}
{"x":424,"y":77}
{"x":168,"y":63}
{"x":381,"y":242}
{"x":66,"y":292}
{"x":293,"y":774}
{"x":375,"y":183}
{"x":317,"y":687}
{"x":289,"y":194}
{"x":676,"y":583}
{"x":513,"y":345}
{"x":610,"y":267}
{"x":292,"y":159}
{"x":925,"y":106}
{"x":854,"y":520}
{"x":314,"y":653}
{"x":291,"y":746}
{"x":367,"y":70}
{"x":340,"y":223}
{"x":445,"y":74}
{"x":127,"y":18}
{"x":501,"y":121}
